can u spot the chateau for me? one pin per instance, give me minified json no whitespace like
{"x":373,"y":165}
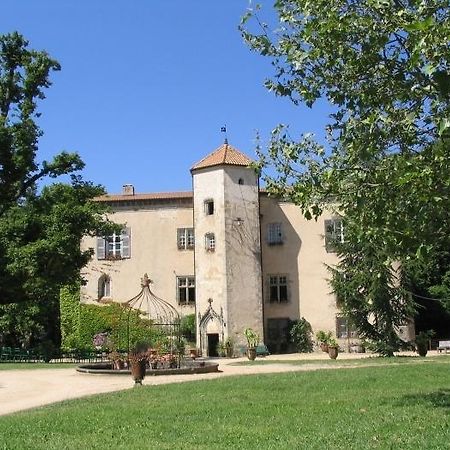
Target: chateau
{"x":226,"y":251}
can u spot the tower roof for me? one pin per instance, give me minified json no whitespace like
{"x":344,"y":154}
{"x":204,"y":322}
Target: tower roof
{"x":225,"y":154}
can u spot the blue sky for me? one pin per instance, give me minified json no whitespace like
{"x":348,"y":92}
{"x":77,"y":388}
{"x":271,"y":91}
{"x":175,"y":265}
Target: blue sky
{"x":145,"y":86}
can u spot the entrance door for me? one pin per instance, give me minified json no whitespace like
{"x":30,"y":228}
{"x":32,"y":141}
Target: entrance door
{"x":213,"y":342}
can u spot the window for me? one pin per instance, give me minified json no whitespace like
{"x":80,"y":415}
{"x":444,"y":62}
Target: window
{"x":209,"y":207}
{"x":210,"y":242}
{"x":116,"y":246}
{"x":344,"y":329}
{"x":278,"y":291}
{"x":274,"y":234}
{"x":334,"y":234}
{"x":104,"y":286}
{"x":186,"y":290}
{"x":185,"y":238}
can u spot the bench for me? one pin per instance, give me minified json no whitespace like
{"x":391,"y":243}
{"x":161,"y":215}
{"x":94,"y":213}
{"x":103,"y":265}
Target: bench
{"x":262,"y":350}
{"x":443,"y":345}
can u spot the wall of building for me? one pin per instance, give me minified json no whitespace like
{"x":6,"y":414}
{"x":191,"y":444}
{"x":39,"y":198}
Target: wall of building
{"x":302,"y":257}
{"x":242,"y":230}
{"x":210,"y":266}
{"x":154,"y":250}
{"x":231,"y":275}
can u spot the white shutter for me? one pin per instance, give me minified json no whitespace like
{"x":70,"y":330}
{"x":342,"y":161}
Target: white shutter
{"x":101,"y":247}
{"x":126,"y":243}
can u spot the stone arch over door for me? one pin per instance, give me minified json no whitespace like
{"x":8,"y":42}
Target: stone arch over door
{"x":210,"y":323}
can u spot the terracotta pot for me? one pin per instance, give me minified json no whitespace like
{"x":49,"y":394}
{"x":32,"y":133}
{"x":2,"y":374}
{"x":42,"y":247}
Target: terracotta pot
{"x":193,"y":353}
{"x":138,"y":371}
{"x":333,"y":352}
{"x":324,"y":347}
{"x":119,"y":364}
{"x":251,"y":353}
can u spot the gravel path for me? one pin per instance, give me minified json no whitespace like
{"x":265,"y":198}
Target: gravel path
{"x":25,"y":389}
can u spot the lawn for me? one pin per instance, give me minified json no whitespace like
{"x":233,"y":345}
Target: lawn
{"x":395,"y":406}
{"x":369,"y":361}
{"x":32,"y":366}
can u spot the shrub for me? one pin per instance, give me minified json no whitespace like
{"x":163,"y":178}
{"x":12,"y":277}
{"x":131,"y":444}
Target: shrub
{"x":188,"y":327}
{"x":301,"y":335}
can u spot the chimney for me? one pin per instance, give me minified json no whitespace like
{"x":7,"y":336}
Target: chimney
{"x":128,"y":189}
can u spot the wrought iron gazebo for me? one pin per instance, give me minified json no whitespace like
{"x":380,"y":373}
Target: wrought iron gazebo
{"x":162,"y":316}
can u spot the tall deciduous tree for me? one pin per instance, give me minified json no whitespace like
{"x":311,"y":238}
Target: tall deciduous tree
{"x":40,"y":231}
{"x":384,"y":66}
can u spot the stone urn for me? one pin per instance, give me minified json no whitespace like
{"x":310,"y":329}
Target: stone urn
{"x":333,"y":351}
{"x":251,"y":353}
{"x":138,"y":370}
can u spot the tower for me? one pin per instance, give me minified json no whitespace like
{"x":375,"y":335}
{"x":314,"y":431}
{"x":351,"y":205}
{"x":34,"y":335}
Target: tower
{"x":227,"y":248}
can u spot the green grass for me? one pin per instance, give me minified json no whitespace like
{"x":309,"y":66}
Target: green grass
{"x":33,"y":366}
{"x":349,"y":362}
{"x":396,"y":406}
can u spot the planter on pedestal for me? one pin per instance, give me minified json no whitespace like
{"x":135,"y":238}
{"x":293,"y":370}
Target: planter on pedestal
{"x":333,"y":351}
{"x":251,"y":353}
{"x":138,"y":370}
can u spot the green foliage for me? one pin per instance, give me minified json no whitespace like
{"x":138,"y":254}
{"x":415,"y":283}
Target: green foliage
{"x":301,"y":335}
{"x":384,"y":66}
{"x":69,"y":303}
{"x":397,"y":406}
{"x":40,"y":232}
{"x":324,"y":336}
{"x":81,"y":322}
{"x":21,"y":324}
{"x":188,"y":327}
{"x":252,"y":337}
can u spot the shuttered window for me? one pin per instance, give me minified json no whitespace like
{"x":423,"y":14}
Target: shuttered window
{"x":115,"y":246}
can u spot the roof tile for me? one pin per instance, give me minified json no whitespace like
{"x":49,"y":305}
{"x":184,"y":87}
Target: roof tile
{"x":225,"y":154}
{"x":151,"y":196}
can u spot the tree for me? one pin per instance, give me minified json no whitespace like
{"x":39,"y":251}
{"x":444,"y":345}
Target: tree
{"x":384,"y":66}
{"x":40,"y":230}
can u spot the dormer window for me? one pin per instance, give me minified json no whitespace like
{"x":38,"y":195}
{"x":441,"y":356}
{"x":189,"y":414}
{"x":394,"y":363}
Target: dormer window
{"x":209,"y":207}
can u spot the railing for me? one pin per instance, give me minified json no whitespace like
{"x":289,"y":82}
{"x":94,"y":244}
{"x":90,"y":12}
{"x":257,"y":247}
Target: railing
{"x":11,"y":354}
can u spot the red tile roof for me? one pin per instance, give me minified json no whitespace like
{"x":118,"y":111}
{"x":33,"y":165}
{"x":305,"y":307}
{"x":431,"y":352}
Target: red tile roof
{"x":151,"y":196}
{"x":225,"y":154}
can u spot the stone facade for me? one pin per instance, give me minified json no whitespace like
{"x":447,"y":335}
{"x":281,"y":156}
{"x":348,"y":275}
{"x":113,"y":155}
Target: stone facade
{"x":225,"y":252}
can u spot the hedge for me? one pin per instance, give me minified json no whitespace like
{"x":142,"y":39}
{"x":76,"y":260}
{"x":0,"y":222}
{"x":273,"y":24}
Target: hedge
{"x":81,"y":322}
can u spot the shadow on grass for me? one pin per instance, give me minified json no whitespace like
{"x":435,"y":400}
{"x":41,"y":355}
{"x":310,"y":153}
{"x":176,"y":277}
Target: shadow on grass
{"x":436,"y":399}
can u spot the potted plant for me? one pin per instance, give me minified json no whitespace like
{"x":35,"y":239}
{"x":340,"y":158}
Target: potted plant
{"x":422,"y":342}
{"x":117,"y":361}
{"x":221,"y":350}
{"x":193,"y":352}
{"x":333,"y":348}
{"x":252,"y":342}
{"x":324,"y":338}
